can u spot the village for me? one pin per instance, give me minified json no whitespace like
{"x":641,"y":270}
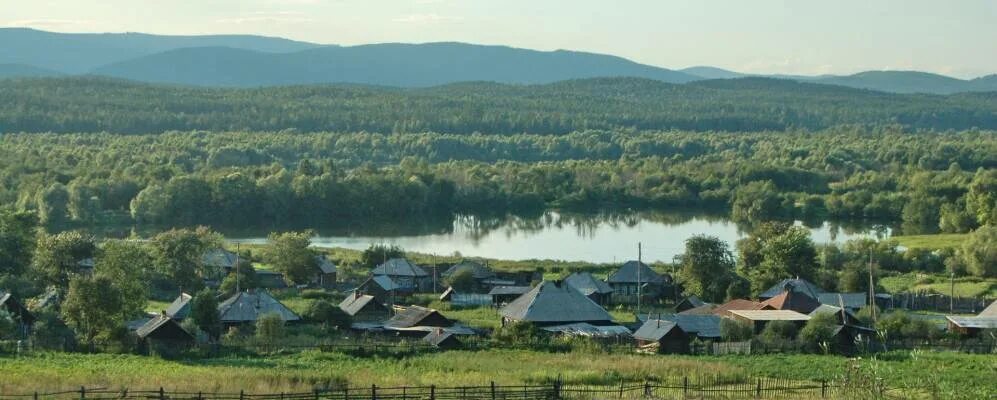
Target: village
{"x":633,"y":309}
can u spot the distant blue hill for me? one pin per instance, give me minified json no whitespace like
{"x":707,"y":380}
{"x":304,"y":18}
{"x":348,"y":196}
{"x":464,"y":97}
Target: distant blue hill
{"x":25,"y":71}
{"x":391,"y":64}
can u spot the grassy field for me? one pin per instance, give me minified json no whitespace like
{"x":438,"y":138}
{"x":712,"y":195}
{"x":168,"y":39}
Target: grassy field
{"x":950,"y":374}
{"x":932,"y":242}
{"x":964,"y":286}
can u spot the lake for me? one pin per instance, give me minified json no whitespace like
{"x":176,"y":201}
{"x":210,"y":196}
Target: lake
{"x":603,"y":238}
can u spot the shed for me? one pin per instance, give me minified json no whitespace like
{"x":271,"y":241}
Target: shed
{"x":381,"y":287}
{"x":22,"y":316}
{"x":479,"y":271}
{"x":416,"y":316}
{"x":555,"y":303}
{"x":662,"y":336}
{"x":706,"y":327}
{"x":502,"y":295}
{"x":164,"y":330}
{"x":442,"y":339}
{"x":249,"y":306}
{"x":325,"y":273}
{"x":970,"y":326}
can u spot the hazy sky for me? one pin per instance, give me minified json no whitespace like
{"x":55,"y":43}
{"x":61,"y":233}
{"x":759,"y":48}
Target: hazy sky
{"x":954,"y":37}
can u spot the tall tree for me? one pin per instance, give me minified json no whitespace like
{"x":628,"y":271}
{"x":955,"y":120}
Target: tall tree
{"x":179,"y":254}
{"x":57,"y":257}
{"x":127,"y":265}
{"x":92,"y":307}
{"x":982,"y":197}
{"x":980,"y":252}
{"x":707,"y":266}
{"x":17,"y":241}
{"x":289,"y":253}
{"x":53,"y":205}
{"x":204,"y":312}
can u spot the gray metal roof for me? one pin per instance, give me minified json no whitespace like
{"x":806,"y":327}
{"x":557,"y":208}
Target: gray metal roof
{"x":413,"y":316}
{"x":974,"y":322}
{"x":153,"y":324}
{"x":219,"y":258}
{"x":990,"y":311}
{"x":385,"y":283}
{"x":587,"y":329}
{"x":655,"y":329}
{"x":249,"y":307}
{"x":507,"y":290}
{"x":704,"y":326}
{"x":554,"y":302}
{"x":587,"y":284}
{"x":478,"y":270}
{"x":179,"y":308}
{"x":851,"y":300}
{"x":399,"y":267}
{"x":353,"y":304}
{"x":629,"y":271}
{"x":437,"y":337}
{"x":324,"y":265}
{"x":797,"y":285}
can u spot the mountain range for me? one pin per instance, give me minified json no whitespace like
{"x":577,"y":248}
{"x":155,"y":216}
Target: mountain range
{"x":253,"y":61}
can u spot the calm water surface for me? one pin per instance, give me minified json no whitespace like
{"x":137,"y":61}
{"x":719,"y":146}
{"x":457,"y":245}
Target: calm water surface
{"x":594,"y":238}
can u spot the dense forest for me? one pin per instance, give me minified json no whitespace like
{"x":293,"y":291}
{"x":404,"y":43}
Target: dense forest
{"x":928,"y":181}
{"x":91,"y":104}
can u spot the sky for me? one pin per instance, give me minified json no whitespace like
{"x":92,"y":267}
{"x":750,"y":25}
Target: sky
{"x":951,"y":37}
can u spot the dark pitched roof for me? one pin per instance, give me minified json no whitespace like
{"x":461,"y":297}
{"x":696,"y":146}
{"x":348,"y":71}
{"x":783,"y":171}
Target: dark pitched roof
{"x":179,"y":308}
{"x":478,"y":271}
{"x":325,"y":265}
{"x":219,"y":258}
{"x":629,"y":271}
{"x":249,"y":307}
{"x":793,"y":300}
{"x":554,"y":302}
{"x":689,"y":303}
{"x":655,"y":329}
{"x":354,"y":303}
{"x":508,"y":290}
{"x":441,"y":338}
{"x":704,"y":326}
{"x":163,"y":323}
{"x":8,"y":301}
{"x":413,"y":316}
{"x":399,"y":267}
{"x":851,"y":300}
{"x":383,"y":282}
{"x":587,"y":284}
{"x":797,"y":285}
{"x":739,"y":304}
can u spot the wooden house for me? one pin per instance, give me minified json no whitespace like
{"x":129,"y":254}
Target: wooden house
{"x":555,"y":303}
{"x":633,"y":277}
{"x":660,"y":336}
{"x":408,"y":276}
{"x":162,"y":330}
{"x":364,"y":308}
{"x":247,"y":307}
{"x":22,"y":317}
{"x":325,"y":273}
{"x":442,"y":339}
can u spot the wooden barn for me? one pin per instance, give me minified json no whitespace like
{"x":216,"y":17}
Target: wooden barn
{"x":661,"y":336}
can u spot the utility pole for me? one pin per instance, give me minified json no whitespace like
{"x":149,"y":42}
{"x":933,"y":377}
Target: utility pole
{"x":238,"y":269}
{"x":872,"y":289}
{"x":640,"y":263}
{"x":952,"y":293}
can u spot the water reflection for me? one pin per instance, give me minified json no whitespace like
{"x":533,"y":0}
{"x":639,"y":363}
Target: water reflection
{"x":599,"y":237}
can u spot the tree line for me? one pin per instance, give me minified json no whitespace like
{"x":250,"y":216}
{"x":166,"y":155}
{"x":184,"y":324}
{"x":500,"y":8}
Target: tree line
{"x":91,"y":104}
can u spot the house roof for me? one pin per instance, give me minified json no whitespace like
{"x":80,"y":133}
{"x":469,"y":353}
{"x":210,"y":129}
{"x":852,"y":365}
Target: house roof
{"x":354,"y":303}
{"x":179,"y":308}
{"x":655,"y":329}
{"x":851,"y":300}
{"x":793,"y":300}
{"x":383,"y":282}
{"x":587,"y":284}
{"x":325,"y":265}
{"x":554,"y":302}
{"x":771,"y":315}
{"x":413,"y":316}
{"x":692,"y":302}
{"x":437,"y":337}
{"x":509,"y":290}
{"x":738,"y":304}
{"x":160,"y":321}
{"x":478,"y":270}
{"x":973,"y":322}
{"x":704,"y":326}
{"x":797,"y":285}
{"x":990,"y":311}
{"x":219,"y":258}
{"x":249,"y":307}
{"x":9,"y":301}
{"x":629,"y":271}
{"x":399,"y":267}
{"x":705,"y":309}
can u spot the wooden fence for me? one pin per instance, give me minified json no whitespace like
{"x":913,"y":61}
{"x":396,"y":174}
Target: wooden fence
{"x":940,"y":303}
{"x":680,"y":388}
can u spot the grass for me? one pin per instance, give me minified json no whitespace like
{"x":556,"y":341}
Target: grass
{"x":917,"y":282}
{"x":932,"y":242}
{"x":951,"y":375}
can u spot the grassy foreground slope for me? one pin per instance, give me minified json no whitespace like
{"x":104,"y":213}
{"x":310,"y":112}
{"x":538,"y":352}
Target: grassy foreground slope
{"x":951,"y":375}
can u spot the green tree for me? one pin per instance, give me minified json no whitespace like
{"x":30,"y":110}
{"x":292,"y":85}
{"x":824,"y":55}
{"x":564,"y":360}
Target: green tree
{"x":289,"y":253}
{"x":778,"y":331}
{"x":269,"y":329}
{"x":732,"y":330}
{"x":756,"y":201}
{"x":17,"y":241}
{"x":707,"y":266}
{"x":819,"y":329}
{"x":979,"y":252}
{"x":780,"y":252}
{"x":462,"y":280}
{"x":53,"y":205}
{"x":8,"y":327}
{"x":92,"y":307}
{"x":981,"y":200}
{"x":376,"y":254}
{"x":244,"y":278}
{"x":204,"y":313}
{"x":954,"y":218}
{"x":921,"y":214}
{"x":127,"y":265}
{"x":327,"y":314}
{"x":57,"y":257}
{"x":179,"y":254}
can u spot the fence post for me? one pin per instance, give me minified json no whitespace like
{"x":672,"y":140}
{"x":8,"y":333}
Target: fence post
{"x":647,"y":389}
{"x":162,"y":394}
{"x":36,"y":396}
{"x":493,"y":390}
{"x":621,"y":388}
{"x":346,"y":392}
{"x":685,"y":386}
{"x":432,"y":392}
{"x":200,"y":396}
{"x":316,"y":394}
{"x":242,"y":394}
{"x":758,"y":389}
{"x":83,"y":393}
{"x":373,"y":392}
{"x":823,"y":388}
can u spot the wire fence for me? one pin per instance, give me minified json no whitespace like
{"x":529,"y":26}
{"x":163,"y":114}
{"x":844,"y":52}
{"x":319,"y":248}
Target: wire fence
{"x":706,"y":387}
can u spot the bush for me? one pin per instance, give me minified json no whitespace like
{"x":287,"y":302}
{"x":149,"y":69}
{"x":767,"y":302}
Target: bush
{"x":735,"y":331}
{"x":776,"y":331}
{"x":269,"y":328}
{"x":818,"y":330}
{"x":328,"y":314}
{"x":517,"y":333}
{"x":900,"y":325}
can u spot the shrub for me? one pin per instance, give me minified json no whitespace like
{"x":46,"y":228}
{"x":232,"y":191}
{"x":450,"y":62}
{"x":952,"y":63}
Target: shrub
{"x":735,"y":331}
{"x":328,"y":314}
{"x":818,"y":330}
{"x":776,"y":331}
{"x":269,"y":328}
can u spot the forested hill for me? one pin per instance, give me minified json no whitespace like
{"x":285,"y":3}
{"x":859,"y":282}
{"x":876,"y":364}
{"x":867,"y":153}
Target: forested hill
{"x":91,"y":104}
